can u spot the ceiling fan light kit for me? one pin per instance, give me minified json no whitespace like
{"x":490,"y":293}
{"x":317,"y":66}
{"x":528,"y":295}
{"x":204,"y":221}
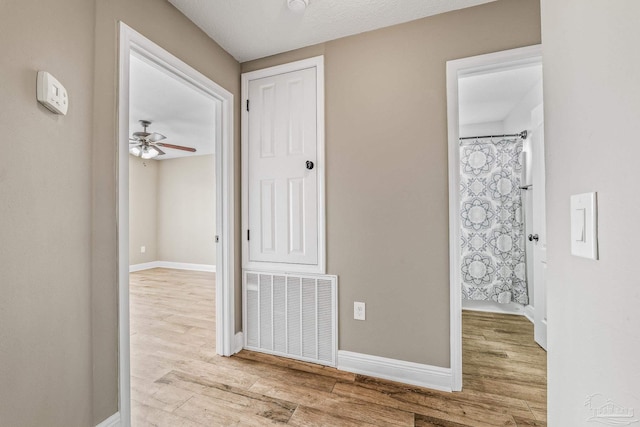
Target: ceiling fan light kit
{"x":297,"y":5}
{"x":146,"y":145}
{"x":149,"y":153}
{"x":135,"y":150}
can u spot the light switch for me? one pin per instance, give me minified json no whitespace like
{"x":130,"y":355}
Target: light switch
{"x":578,"y":223}
{"x":584,"y":230}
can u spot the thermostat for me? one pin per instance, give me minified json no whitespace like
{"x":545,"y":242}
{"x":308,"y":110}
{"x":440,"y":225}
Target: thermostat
{"x":51,"y":93}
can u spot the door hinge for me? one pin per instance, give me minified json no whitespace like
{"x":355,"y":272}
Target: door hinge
{"x":248,"y":234}
{"x":247,"y":105}
{"x":217,"y":239}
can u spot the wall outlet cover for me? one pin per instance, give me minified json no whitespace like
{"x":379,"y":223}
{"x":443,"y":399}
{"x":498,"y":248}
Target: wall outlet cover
{"x":359,"y":310}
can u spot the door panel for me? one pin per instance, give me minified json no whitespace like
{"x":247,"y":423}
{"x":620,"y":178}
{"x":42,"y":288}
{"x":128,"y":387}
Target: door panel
{"x":268,"y":216}
{"x":282,"y":191}
{"x":296,"y":222}
{"x":266,"y":134}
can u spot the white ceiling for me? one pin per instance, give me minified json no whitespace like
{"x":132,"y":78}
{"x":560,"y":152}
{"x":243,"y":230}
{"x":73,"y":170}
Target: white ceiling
{"x":178,"y":111}
{"x":251,"y":29}
{"x":491,"y":97}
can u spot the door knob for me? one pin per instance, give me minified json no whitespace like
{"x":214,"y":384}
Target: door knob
{"x":309,"y":164}
{"x":533,"y":237}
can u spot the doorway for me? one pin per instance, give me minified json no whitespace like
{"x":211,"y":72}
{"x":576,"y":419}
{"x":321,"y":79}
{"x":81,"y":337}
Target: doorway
{"x":133,"y":43}
{"x":491,"y":102}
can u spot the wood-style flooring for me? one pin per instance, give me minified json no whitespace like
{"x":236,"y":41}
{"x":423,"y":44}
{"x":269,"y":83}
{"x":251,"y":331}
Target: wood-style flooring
{"x":178,"y":380}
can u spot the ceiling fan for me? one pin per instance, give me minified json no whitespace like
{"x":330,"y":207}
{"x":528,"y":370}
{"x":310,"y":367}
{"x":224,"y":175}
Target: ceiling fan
{"x":146,"y":145}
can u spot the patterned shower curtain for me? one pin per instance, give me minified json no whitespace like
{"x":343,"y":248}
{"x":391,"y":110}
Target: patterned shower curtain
{"x":493,"y":254}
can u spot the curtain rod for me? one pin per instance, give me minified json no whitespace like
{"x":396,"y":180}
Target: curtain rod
{"x":522,"y":135}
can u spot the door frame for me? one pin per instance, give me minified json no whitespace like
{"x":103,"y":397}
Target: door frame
{"x":130,"y":41}
{"x":316,"y":62}
{"x":455,"y":69}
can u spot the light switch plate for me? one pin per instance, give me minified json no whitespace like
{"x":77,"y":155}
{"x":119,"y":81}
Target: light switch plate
{"x":584,"y":225}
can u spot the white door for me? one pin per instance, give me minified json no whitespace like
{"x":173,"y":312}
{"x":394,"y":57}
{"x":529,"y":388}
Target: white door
{"x":539,"y":235}
{"x":282,"y":169}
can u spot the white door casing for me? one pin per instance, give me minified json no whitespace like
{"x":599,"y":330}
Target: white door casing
{"x":539,"y":227}
{"x":456,"y":69}
{"x":283,"y":173}
{"x":132,"y":42}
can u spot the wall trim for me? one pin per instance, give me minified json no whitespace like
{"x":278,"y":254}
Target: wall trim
{"x":455,"y":69}
{"x":529,"y":313}
{"x":239,"y":342}
{"x":417,"y":374}
{"x":173,"y":265}
{"x":143,"y":266}
{"x":112,"y":421}
{"x":512,"y":308}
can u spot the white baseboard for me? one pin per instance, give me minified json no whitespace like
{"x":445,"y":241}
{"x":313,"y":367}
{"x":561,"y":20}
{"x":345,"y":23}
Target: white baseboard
{"x":173,"y":265}
{"x":238,"y":343}
{"x":529,"y":313}
{"x":396,"y":370}
{"x":494,"y":307}
{"x":112,"y":421}
{"x":143,"y":266}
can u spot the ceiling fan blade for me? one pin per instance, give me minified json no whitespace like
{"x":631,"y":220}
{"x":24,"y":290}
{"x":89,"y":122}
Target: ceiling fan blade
{"x":155,"y":137}
{"x":176,"y":147}
{"x":160,"y":152}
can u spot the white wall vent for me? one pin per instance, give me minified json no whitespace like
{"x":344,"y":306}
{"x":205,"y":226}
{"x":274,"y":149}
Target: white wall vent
{"x":291,"y":315}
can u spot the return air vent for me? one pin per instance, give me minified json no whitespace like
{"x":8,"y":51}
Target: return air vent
{"x":291,"y":315}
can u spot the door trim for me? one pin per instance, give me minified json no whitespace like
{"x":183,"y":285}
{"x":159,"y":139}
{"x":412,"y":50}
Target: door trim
{"x":130,"y":41}
{"x":457,"y":68}
{"x":317,"y":63}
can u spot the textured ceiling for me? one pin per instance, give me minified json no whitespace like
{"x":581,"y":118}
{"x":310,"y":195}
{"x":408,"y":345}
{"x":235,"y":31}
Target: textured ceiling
{"x":178,"y":111}
{"x":251,"y":29}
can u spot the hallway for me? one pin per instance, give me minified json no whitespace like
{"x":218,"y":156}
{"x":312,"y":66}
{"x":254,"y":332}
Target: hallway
{"x":178,"y":380}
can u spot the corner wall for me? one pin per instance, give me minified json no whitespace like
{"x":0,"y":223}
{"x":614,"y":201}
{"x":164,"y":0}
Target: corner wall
{"x":143,"y":210}
{"x":592,"y":123}
{"x":172,"y":210}
{"x":187,"y":210}
{"x":386,"y":154}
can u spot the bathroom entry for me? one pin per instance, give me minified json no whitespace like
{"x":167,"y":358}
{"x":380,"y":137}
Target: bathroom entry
{"x":496,"y":209}
{"x":496,"y":162}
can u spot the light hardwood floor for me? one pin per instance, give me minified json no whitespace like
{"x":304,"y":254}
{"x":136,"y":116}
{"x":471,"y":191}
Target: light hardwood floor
{"x":178,"y":380}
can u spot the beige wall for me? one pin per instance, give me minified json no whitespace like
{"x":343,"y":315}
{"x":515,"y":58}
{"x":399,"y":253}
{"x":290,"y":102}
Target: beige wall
{"x":143,"y":210}
{"x":592,"y":123}
{"x":187,"y":210}
{"x":387,"y":190}
{"x":386,"y":143}
{"x":45,"y":205}
{"x":172,"y":210}
{"x":167,"y":27}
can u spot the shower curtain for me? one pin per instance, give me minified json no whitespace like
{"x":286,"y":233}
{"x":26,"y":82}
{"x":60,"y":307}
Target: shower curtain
{"x":492,"y":238}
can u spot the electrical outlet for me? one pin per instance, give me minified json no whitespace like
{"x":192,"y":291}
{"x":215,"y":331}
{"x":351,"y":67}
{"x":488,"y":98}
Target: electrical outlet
{"x":358,"y":310}
{"x":143,"y":249}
